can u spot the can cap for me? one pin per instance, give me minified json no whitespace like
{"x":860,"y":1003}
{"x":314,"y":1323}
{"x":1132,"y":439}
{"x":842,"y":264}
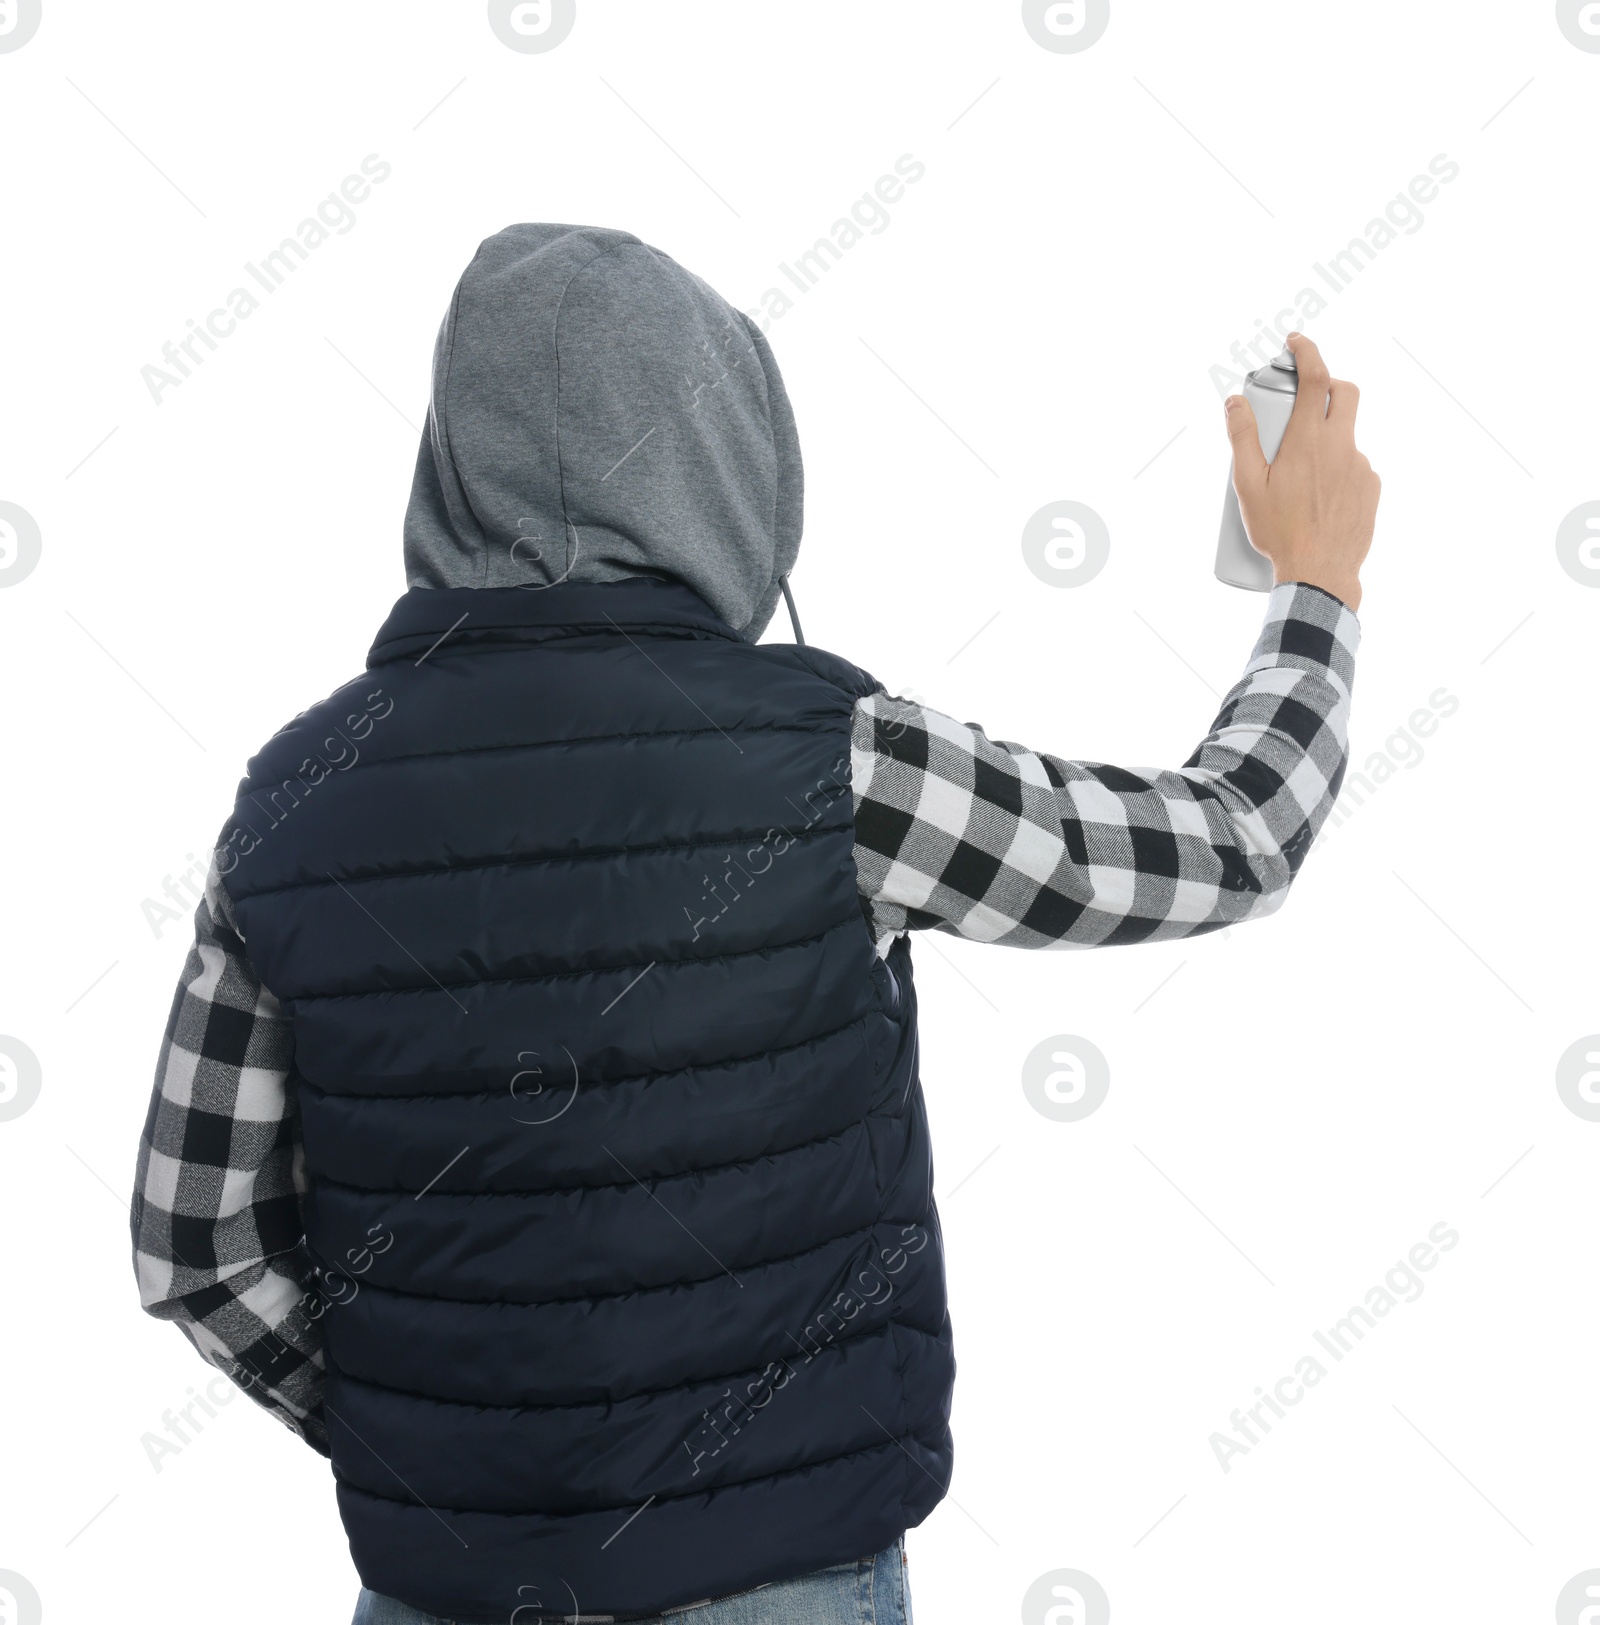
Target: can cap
{"x":1280,"y":375}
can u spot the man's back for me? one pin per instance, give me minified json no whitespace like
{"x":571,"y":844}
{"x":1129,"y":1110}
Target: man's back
{"x":614,"y":1149}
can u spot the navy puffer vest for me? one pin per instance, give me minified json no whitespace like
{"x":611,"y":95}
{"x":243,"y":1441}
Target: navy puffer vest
{"x":615,"y":1149}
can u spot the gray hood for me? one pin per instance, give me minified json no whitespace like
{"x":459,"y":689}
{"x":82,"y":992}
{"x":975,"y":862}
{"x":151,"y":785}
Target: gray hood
{"x":598,"y":413}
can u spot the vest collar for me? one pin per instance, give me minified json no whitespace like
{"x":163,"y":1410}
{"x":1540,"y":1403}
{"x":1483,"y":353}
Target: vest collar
{"x":428,"y":617}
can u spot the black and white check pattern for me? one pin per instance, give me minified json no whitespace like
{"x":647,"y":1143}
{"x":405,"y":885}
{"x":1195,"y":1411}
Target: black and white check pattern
{"x":993,"y":842}
{"x":217,"y":1231}
{"x":954,"y":831}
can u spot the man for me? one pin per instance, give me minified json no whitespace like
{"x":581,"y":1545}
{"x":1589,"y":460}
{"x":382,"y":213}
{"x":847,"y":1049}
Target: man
{"x":538,"y":1130}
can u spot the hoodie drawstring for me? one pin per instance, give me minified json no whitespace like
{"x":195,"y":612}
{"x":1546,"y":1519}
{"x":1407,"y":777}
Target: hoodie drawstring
{"x":794,"y":619}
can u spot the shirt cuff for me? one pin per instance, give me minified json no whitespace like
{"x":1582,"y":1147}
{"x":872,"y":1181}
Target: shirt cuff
{"x":1307,"y":627}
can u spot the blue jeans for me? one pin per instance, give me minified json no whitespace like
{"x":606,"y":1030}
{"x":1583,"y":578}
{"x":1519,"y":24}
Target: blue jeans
{"x":872,"y":1591}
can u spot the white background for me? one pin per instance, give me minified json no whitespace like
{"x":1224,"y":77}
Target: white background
{"x":1292,"y":1107}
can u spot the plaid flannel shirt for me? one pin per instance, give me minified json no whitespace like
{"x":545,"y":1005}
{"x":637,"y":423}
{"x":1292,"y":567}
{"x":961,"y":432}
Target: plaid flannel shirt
{"x":954,"y":832}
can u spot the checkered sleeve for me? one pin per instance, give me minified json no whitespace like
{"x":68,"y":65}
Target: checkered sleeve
{"x":987,"y":840}
{"x":217,"y":1234}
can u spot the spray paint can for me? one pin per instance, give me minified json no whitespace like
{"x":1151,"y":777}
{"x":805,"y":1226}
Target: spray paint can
{"x":1270,"y":391}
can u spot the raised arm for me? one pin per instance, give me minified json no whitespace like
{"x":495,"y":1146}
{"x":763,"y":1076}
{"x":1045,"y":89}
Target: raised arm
{"x":999,"y":843}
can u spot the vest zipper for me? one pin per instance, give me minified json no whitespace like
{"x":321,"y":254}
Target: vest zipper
{"x":712,"y":1602}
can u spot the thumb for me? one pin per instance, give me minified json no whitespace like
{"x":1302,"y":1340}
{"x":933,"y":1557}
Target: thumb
{"x":1248,"y":458}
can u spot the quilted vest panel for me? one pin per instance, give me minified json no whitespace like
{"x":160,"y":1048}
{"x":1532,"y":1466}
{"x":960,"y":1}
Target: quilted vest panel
{"x":616,"y":1156}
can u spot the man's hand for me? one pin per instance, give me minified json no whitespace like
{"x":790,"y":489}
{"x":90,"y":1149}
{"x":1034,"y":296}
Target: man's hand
{"x":1311,"y":510}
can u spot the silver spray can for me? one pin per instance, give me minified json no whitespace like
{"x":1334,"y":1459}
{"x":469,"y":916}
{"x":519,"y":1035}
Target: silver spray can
{"x":1270,"y":391}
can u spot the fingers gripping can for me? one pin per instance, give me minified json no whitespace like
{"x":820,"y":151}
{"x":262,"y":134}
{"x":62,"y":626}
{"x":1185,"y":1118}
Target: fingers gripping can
{"x":1270,"y":391}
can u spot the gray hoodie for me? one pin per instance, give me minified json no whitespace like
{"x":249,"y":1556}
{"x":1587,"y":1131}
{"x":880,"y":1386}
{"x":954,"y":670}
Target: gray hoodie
{"x":598,"y":412}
